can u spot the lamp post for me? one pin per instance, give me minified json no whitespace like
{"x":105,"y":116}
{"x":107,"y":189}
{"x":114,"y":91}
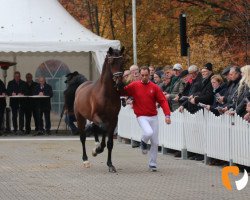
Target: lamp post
{"x":134,"y":31}
{"x":5,"y":66}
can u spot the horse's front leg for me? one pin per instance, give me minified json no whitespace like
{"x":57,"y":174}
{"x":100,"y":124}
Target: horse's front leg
{"x":81,"y":128}
{"x":100,"y":146}
{"x":110,"y":144}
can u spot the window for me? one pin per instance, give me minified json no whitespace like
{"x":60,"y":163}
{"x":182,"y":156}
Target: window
{"x":54,"y":71}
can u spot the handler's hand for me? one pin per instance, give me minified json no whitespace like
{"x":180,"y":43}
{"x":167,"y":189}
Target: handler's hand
{"x":168,"y":120}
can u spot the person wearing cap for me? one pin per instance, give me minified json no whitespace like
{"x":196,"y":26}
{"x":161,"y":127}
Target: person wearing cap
{"x":158,"y":78}
{"x":225,"y":73}
{"x":177,"y":87}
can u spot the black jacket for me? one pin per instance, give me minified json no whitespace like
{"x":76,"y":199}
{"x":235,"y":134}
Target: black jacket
{"x":221,"y":91}
{"x":205,"y":95}
{"x":2,"y":90}
{"x":15,"y":87}
{"x":30,"y":103}
{"x":194,"y":89}
{"x":44,"y":103}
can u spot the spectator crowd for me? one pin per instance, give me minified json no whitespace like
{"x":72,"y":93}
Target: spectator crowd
{"x":195,"y":89}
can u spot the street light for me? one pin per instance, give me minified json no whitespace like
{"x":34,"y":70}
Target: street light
{"x":5,"y":66}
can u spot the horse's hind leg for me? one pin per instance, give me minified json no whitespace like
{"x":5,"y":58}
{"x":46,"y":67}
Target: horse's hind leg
{"x":110,"y":146}
{"x":81,"y":121}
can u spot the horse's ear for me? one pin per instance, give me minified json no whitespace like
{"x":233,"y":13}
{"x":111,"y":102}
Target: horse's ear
{"x":110,"y":51}
{"x":122,"y":50}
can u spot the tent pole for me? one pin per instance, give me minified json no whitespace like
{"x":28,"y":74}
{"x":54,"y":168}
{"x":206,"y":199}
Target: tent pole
{"x":90,"y":66}
{"x":14,"y":60}
{"x":134,"y":31}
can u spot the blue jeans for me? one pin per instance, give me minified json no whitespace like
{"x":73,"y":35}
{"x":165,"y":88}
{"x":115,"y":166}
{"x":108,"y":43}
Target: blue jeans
{"x":69,"y":120}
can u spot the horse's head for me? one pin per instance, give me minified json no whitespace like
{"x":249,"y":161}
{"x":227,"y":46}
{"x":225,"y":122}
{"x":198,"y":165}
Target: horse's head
{"x":115,"y":62}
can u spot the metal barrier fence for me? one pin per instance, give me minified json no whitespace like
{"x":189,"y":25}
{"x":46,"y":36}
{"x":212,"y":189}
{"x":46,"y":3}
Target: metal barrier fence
{"x":222,"y":137}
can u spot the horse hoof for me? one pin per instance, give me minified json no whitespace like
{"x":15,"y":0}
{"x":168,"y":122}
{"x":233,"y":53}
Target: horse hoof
{"x":112,"y":169}
{"x":94,"y":152}
{"x":86,"y":164}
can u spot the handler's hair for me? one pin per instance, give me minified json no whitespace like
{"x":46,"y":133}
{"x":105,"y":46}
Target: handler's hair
{"x":144,"y":68}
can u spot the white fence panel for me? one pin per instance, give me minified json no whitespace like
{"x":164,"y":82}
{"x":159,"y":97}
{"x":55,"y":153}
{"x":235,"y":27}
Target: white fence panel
{"x":224,"y":137}
{"x":217,"y":136}
{"x":240,"y":141}
{"x":124,"y":122}
{"x":162,"y":125}
{"x":173,"y":133}
{"x":135,"y":128}
{"x":194,"y":131}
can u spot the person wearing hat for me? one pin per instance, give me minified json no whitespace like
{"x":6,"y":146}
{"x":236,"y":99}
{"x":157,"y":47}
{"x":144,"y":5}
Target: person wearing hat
{"x":73,"y":81}
{"x":232,"y":86}
{"x":158,"y":78}
{"x":205,"y":94}
{"x":225,"y":73}
{"x":177,"y":87}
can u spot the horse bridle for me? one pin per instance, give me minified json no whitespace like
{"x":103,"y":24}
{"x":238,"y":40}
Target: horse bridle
{"x":115,"y":75}
{"x":110,"y":59}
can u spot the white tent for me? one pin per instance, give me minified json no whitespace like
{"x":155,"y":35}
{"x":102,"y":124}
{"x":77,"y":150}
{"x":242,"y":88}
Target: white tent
{"x":45,"y":26}
{"x":33,"y":32}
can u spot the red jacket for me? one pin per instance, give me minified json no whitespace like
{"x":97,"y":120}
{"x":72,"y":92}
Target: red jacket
{"x":145,"y":98}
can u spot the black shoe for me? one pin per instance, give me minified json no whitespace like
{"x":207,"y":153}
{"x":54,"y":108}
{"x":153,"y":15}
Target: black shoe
{"x":192,"y":158}
{"x":47,"y":132}
{"x":135,"y":144}
{"x":152,"y":168}
{"x":177,"y":154}
{"x":199,"y":158}
{"x":21,"y":132}
{"x":37,"y":133}
{"x":144,"y":147}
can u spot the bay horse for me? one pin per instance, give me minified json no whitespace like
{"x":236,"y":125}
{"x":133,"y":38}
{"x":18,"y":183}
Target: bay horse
{"x":100,"y":103}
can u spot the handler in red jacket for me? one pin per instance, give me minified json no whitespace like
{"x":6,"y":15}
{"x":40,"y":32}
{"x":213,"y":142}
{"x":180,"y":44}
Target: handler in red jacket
{"x":146,"y":94}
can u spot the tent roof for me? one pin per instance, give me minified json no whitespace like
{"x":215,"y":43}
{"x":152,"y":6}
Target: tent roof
{"x":44,"y":25}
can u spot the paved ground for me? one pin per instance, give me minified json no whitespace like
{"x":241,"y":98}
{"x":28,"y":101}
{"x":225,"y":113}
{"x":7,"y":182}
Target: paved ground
{"x":52,"y":169}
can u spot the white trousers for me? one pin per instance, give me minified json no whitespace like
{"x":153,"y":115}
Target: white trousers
{"x":150,"y":128}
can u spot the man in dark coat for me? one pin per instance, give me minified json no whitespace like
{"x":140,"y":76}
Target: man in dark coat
{"x":73,"y":81}
{"x":193,"y":89}
{"x":3,"y":92}
{"x":15,"y":89}
{"x":205,"y":95}
{"x":29,"y":107}
{"x":45,"y":92}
